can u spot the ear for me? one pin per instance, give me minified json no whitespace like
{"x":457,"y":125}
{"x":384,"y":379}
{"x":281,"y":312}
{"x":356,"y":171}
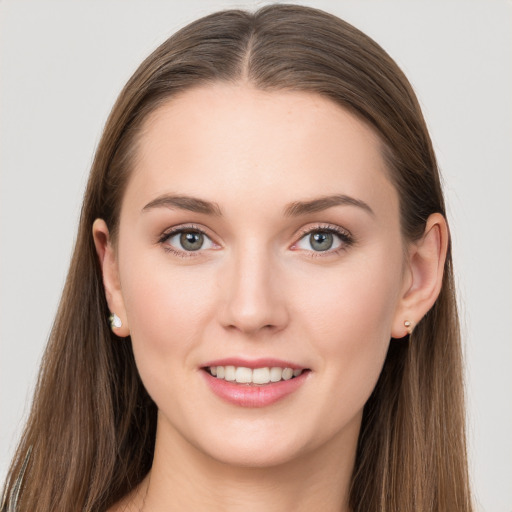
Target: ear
{"x":108,"y":263}
{"x":424,"y":276}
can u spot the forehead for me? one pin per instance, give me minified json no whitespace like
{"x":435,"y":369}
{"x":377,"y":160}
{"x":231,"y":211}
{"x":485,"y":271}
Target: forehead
{"x":228,"y":141}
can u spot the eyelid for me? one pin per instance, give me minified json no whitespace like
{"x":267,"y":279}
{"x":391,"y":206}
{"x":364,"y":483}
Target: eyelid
{"x":181,"y":227}
{"x":323,"y":226}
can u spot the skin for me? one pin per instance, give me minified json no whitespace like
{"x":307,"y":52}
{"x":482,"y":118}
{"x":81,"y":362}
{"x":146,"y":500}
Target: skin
{"x":257,"y":289}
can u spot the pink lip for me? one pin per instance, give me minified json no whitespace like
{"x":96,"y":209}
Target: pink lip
{"x":253,"y":395}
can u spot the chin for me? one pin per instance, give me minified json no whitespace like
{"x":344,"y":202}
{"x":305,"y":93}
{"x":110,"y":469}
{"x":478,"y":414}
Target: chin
{"x":256,"y":456}
{"x":261,"y":444}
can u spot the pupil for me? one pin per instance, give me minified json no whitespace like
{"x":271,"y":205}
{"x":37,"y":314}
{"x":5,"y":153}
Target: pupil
{"x":191,"y":241}
{"x":321,"y":241}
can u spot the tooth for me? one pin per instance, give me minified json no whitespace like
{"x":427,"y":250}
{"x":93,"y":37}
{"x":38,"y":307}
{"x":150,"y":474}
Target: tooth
{"x":243,"y":375}
{"x":230,"y":373}
{"x":287,"y":374}
{"x":261,"y":375}
{"x":276,"y":374}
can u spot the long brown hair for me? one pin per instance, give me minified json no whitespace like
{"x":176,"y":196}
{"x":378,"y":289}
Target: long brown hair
{"x":91,"y":431}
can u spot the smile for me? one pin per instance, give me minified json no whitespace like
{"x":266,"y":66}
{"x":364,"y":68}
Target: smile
{"x":261,"y":376}
{"x":254,"y":383}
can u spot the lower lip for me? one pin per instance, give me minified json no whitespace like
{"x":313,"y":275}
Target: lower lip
{"x":247,"y":395}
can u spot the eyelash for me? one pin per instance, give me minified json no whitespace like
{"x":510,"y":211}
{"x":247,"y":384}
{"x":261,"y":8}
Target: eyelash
{"x":174,"y":231}
{"x":344,"y":236}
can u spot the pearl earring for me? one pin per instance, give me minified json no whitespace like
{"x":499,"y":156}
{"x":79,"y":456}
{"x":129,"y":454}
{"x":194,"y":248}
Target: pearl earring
{"x":115,"y":321}
{"x":408,"y":326}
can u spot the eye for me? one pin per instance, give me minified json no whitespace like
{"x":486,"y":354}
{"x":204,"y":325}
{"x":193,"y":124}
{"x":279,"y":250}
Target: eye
{"x":323,"y":240}
{"x":188,"y":240}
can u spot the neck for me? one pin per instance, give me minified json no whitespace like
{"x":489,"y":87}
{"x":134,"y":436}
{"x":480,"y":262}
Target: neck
{"x":184,"y":478}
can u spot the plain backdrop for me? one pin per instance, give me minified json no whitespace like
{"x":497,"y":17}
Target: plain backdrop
{"x":62,"y":65}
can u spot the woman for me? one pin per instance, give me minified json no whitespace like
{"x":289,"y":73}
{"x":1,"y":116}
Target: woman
{"x":260,"y":309}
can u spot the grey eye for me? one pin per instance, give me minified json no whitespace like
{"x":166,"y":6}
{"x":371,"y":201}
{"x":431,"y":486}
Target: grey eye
{"x":191,"y":240}
{"x":320,"y":240}
{"x":188,"y":240}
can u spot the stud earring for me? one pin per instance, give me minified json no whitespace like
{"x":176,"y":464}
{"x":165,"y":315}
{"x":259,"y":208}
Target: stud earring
{"x":115,"y":321}
{"x":408,"y":326}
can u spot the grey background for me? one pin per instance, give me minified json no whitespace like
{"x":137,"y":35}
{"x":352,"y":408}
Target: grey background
{"x":61,"y":67}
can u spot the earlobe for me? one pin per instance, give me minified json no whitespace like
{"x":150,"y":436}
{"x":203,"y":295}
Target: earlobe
{"x":426,"y":261}
{"x":109,"y":268}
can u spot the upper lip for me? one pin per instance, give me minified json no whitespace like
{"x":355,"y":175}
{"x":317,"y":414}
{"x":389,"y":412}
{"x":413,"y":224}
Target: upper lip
{"x":254,"y":363}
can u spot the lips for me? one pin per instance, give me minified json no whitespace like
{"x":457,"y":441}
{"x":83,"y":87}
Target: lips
{"x":257,"y":383}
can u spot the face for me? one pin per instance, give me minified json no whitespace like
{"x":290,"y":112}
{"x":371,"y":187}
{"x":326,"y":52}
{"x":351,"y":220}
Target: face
{"x":259,"y":241}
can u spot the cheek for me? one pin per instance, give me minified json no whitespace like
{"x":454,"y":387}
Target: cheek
{"x":350,"y":320}
{"x":166,"y":311}
{"x":361,"y":297}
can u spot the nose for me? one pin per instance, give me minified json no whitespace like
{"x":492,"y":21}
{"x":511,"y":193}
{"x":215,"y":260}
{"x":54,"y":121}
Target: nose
{"x":255,"y":299}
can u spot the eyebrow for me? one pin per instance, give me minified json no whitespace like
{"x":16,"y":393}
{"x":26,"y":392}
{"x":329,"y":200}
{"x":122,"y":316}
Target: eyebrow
{"x":298,"y":208}
{"x":294,"y":209}
{"x":192,"y":204}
